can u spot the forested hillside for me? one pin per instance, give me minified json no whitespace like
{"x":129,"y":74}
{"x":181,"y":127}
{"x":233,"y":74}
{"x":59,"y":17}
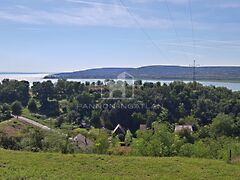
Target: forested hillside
{"x":74,"y":107}
{"x":157,"y":72}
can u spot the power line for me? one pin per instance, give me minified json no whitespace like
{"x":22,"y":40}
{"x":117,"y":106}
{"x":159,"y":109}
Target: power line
{"x":191,"y":19}
{"x":141,"y":28}
{"x":193,"y":40}
{"x":174,"y":26}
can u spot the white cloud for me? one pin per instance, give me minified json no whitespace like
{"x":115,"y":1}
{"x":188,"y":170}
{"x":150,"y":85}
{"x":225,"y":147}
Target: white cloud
{"x":92,"y":15}
{"x":229,"y":5}
{"x":93,"y":3}
{"x":20,"y":18}
{"x":170,"y":1}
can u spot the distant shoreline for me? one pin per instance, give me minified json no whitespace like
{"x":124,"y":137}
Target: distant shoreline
{"x":143,"y":79}
{"x":157,"y":79}
{"x":48,"y":77}
{"x":36,"y":77}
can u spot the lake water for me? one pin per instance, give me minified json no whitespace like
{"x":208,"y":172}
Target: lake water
{"x":39,"y":77}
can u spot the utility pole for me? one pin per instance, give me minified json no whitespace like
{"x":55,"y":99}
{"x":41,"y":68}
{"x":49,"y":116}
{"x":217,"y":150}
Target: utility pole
{"x":194,"y":77}
{"x":194,"y":70}
{"x":194,"y":66}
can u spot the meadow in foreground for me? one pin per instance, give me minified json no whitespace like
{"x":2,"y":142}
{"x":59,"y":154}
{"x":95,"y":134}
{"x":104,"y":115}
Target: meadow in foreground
{"x":27,"y":165}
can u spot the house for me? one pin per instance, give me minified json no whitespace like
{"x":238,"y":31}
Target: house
{"x":119,"y":130}
{"x":82,"y":141}
{"x":179,"y":128}
{"x":85,"y":125}
{"x":143,"y":127}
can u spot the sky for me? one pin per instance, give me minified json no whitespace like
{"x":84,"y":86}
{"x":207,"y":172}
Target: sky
{"x":71,"y":35}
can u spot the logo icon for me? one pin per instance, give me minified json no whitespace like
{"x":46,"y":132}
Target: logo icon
{"x":120,"y":88}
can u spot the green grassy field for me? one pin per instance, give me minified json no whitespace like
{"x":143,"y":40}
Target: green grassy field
{"x":27,"y":165}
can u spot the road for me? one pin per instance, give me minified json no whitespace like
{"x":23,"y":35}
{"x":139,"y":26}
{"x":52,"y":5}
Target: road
{"x":34,"y":123}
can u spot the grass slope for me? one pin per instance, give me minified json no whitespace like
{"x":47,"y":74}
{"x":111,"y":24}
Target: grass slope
{"x":27,"y":114}
{"x":13,"y":127}
{"x":27,"y":165}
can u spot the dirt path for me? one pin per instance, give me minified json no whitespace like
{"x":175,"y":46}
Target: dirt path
{"x":29,"y":121}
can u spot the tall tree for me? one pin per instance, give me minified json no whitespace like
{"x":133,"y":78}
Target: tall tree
{"x":32,"y":106}
{"x":17,"y":108}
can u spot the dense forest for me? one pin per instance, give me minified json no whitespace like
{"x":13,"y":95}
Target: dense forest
{"x":214,"y":114}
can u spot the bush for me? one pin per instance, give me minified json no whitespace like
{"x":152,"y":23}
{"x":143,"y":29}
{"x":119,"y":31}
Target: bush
{"x":222,"y":125}
{"x":102,"y":143}
{"x":160,"y":142}
{"x":9,"y":142}
{"x":67,"y":148}
{"x":187,"y":150}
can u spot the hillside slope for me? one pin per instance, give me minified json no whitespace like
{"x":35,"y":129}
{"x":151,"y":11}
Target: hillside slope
{"x":156,"y":72}
{"x":27,"y":165}
{"x":14,"y":127}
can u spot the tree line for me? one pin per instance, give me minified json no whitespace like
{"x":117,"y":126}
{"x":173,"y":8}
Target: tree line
{"x":214,"y":112}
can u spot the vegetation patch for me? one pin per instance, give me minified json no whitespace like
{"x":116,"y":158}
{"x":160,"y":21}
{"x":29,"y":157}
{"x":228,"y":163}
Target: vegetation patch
{"x":14,"y":127}
{"x":26,"y":165}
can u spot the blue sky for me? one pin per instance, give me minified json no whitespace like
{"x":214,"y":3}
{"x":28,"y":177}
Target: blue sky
{"x":68,"y":35}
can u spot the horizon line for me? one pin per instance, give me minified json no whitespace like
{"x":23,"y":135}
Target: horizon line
{"x":117,"y":67}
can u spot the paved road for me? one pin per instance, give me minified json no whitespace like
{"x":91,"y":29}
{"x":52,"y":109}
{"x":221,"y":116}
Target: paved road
{"x":34,"y":123}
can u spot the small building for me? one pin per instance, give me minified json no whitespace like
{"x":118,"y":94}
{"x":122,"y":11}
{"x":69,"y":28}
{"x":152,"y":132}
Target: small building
{"x":82,"y":141}
{"x":85,"y":125}
{"x":179,"y":128}
{"x":119,"y":130}
{"x":143,"y":127}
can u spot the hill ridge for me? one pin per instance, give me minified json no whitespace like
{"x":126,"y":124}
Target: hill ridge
{"x":172,"y":72}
